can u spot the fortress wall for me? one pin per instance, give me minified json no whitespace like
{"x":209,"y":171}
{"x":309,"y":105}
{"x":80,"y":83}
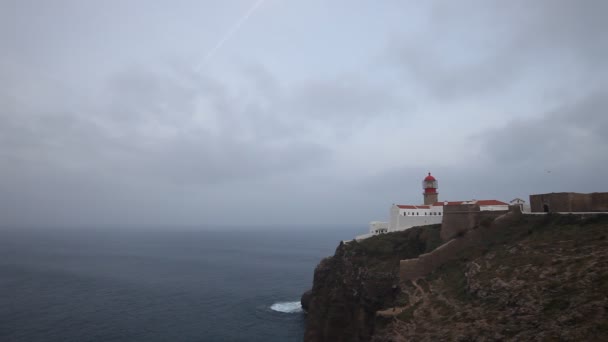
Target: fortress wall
{"x":570,"y":202}
{"x":557,"y":202}
{"x":490,"y":216}
{"x":412,"y":269}
{"x":457,"y":219}
{"x":536,"y":204}
{"x":580,"y":202}
{"x":599,"y":201}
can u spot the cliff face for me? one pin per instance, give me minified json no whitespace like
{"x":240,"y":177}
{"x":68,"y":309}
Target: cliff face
{"x":541,"y":278}
{"x":360,"y":279}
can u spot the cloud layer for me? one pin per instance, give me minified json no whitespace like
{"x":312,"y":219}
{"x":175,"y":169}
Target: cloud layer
{"x":101,"y":127}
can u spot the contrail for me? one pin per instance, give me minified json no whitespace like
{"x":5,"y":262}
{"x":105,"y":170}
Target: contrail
{"x":229,"y":34}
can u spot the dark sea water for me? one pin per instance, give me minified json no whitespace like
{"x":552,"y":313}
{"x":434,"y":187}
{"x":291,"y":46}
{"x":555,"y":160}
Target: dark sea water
{"x":159,"y":284}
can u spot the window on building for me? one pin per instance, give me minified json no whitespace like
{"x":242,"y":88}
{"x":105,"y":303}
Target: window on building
{"x":417,"y":213}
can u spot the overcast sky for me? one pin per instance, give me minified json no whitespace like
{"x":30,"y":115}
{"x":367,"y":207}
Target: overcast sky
{"x":140,"y":113}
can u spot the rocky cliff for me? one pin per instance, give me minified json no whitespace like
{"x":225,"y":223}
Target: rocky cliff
{"x":542,"y":278}
{"x":360,"y":279}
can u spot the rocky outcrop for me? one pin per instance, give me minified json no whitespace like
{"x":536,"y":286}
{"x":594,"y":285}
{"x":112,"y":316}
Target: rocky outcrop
{"x":533,"y":278}
{"x":305,"y":300}
{"x":360,"y":279}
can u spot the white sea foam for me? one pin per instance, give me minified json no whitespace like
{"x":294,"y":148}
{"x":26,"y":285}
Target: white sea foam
{"x":287,"y":307}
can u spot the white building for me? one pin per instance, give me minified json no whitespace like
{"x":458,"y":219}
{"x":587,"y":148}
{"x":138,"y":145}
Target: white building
{"x":404,"y":216}
{"x":525,"y":208}
{"x":375,"y":228}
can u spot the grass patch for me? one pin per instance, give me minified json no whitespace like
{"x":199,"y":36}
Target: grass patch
{"x":452,"y":275}
{"x":399,"y":245}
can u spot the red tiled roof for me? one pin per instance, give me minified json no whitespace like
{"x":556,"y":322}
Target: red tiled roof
{"x":404,"y":206}
{"x":441,"y":204}
{"x":407,"y":206}
{"x":479,"y":202}
{"x":491,"y":202}
{"x":448,"y":203}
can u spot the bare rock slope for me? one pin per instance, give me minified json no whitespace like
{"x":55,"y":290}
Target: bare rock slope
{"x":541,"y":278}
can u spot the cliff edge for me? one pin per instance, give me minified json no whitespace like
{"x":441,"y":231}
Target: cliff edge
{"x":360,"y":279}
{"x":538,"y":278}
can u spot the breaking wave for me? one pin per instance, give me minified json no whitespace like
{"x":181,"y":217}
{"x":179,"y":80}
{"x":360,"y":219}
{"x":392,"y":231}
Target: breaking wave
{"x":287,"y":307}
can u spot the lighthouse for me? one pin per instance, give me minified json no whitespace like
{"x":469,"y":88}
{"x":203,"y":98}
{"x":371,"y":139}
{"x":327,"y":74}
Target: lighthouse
{"x":429,"y":184}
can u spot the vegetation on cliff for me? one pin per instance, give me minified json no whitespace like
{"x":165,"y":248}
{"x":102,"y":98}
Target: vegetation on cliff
{"x":540,"y":278}
{"x":360,"y":279}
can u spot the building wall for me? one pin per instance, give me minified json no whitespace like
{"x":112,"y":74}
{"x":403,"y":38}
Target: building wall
{"x":570,"y":202}
{"x":401,"y":218}
{"x":394,"y":217}
{"x":377,"y":227}
{"x":405,"y":222}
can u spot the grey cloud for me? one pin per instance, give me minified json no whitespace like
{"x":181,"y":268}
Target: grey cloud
{"x":113,"y":135}
{"x":565,"y":149}
{"x":344,"y":99}
{"x":101,"y":162}
{"x":85,"y":137}
{"x":574,"y":133}
{"x":481,"y":47}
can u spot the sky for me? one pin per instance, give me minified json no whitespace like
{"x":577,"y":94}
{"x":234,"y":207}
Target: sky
{"x":278,"y":112}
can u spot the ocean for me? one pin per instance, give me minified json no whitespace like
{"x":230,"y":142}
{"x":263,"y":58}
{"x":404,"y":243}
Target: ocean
{"x":159,"y":284}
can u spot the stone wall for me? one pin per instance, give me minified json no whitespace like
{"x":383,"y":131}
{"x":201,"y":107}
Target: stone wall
{"x":569,"y":202}
{"x":599,"y":201}
{"x":411,"y":269}
{"x":457,"y":219}
{"x":554,"y":202}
